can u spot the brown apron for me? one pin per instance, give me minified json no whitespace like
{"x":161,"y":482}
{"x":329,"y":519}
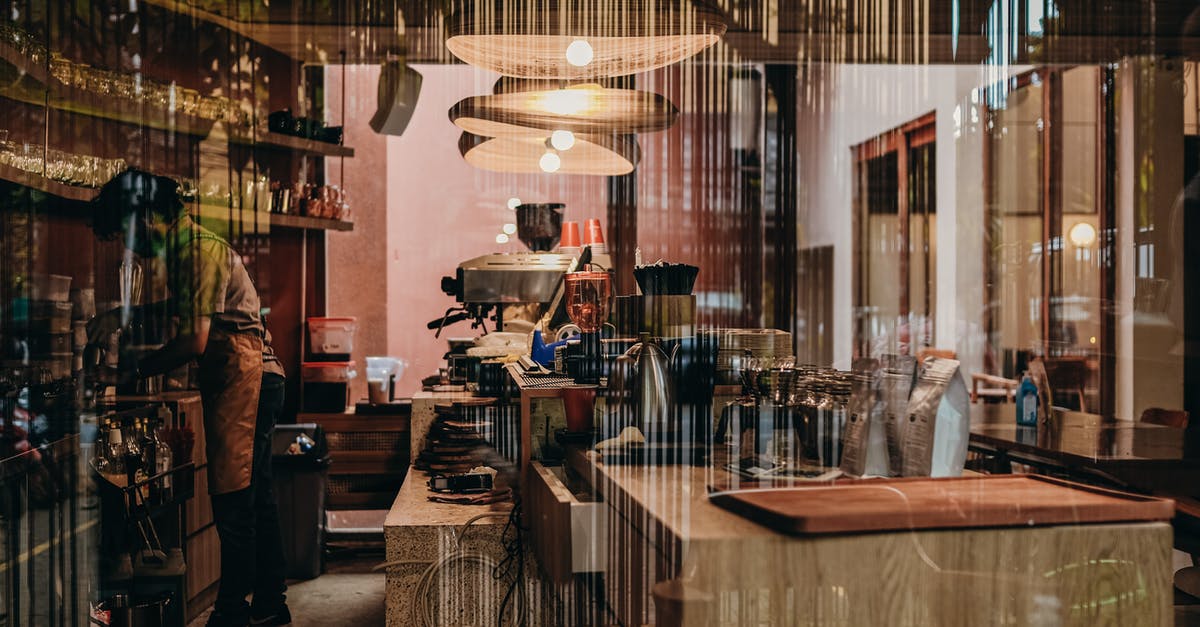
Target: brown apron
{"x":230,"y":378}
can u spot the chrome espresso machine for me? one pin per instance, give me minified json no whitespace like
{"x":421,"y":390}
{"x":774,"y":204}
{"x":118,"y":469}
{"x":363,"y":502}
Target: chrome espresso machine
{"x":511,"y":288}
{"x":514,"y":290}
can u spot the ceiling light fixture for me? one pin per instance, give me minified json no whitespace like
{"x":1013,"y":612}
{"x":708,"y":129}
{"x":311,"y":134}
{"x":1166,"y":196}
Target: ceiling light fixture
{"x":501,"y":239}
{"x":580,"y":53}
{"x":1082,"y":235}
{"x":513,"y":203}
{"x":550,"y":162}
{"x":561,"y":140}
{"x":509,"y":228}
{"x":599,"y":155}
{"x":573,"y":41}
{"x":586,"y":109}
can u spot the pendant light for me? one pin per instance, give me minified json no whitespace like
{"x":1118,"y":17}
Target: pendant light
{"x":598,"y":155}
{"x":587,"y":108}
{"x":581,"y":39}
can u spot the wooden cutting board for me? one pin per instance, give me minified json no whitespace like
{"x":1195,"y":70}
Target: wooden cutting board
{"x":951,"y":503}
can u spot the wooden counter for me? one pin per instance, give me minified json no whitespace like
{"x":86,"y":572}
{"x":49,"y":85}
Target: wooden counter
{"x":669,"y":538}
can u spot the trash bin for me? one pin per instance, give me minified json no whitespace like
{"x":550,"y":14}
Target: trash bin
{"x":300,"y":478}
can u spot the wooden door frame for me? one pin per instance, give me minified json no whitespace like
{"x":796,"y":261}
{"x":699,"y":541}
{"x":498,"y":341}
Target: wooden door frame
{"x":1050,"y":169}
{"x":916,"y":133}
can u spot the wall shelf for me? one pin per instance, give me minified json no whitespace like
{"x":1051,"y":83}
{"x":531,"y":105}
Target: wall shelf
{"x":305,"y":222}
{"x":33,"y":83}
{"x":49,"y":186}
{"x":279,"y":141}
{"x":256,"y":221}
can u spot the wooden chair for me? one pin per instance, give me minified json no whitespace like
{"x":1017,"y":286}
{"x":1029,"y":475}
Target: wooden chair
{"x":996,"y":387}
{"x":1177,"y":418}
{"x":944,"y":353}
{"x":1069,"y":375}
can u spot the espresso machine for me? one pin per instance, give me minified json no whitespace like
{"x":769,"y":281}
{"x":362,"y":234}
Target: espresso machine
{"x":518,"y":285}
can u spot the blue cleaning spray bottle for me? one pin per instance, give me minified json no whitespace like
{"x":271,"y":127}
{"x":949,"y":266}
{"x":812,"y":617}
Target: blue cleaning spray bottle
{"x":1027,"y":402}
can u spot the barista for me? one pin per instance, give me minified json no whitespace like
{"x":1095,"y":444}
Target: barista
{"x":241,"y":383}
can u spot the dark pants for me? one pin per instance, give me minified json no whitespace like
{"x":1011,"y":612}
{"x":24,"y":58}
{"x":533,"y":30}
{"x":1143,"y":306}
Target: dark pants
{"x":248,"y":524}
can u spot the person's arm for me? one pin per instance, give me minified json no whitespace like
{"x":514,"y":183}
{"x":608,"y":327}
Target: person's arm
{"x":183,"y":348}
{"x":105,"y":324}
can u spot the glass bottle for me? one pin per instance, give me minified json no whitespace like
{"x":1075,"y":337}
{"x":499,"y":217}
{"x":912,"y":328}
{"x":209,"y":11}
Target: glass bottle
{"x":115,"y":454}
{"x":808,"y":418}
{"x":100,"y":459}
{"x":163,"y":458}
{"x":828,"y":433}
{"x":162,"y":464}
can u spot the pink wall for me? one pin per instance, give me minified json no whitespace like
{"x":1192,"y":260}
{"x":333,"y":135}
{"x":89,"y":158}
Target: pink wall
{"x":355,"y":280}
{"x":441,"y":211}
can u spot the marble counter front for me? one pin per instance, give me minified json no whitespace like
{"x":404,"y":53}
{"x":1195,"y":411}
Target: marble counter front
{"x":419,"y":533}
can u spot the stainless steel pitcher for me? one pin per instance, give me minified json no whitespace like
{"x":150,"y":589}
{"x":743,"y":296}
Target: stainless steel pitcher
{"x":640,"y":388}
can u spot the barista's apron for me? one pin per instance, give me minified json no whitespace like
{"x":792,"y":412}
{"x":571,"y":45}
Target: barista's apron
{"x":230,"y":378}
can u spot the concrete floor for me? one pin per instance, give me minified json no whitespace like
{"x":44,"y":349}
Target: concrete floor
{"x":348,"y":594}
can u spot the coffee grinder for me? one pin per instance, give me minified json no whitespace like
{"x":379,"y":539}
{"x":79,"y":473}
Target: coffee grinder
{"x":588,"y":298}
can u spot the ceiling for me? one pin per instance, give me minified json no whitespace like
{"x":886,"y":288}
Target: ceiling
{"x":781,"y":31}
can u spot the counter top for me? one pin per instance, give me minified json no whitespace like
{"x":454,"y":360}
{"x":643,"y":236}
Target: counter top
{"x":732,"y":568}
{"x":412,"y":507}
{"x":675,"y":496}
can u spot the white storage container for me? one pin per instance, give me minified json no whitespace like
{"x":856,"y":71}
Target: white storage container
{"x":331,"y":336}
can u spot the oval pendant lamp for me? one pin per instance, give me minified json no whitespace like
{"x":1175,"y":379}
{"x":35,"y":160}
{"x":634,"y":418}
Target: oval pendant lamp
{"x":581,"y":39}
{"x":595,"y":155}
{"x":586,"y":109}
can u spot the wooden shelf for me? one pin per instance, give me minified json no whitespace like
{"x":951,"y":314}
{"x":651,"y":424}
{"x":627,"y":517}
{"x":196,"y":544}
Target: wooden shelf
{"x":33,"y":84}
{"x":279,"y":141}
{"x":259,"y":219}
{"x":49,"y":186}
{"x":305,"y":222}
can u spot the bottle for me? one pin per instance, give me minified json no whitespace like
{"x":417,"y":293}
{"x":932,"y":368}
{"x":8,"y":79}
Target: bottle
{"x":100,"y":450}
{"x":163,"y":463}
{"x":163,"y":458}
{"x":115,"y":454}
{"x":1027,"y":402}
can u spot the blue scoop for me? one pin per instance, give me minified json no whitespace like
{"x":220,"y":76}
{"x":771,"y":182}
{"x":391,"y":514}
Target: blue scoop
{"x":543,"y":353}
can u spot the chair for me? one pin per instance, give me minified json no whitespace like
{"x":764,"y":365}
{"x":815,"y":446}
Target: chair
{"x":1177,"y":418}
{"x":997,"y":387}
{"x":1068,"y":375}
{"x":944,"y":353}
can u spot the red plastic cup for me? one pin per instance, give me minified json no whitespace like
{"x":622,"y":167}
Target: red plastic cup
{"x":570,"y":235}
{"x":578,"y":404}
{"x":593,"y":234}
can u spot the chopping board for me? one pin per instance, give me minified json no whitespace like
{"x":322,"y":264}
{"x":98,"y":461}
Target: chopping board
{"x":949,"y":503}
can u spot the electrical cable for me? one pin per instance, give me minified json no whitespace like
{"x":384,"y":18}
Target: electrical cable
{"x":514,"y":553}
{"x":423,"y":611}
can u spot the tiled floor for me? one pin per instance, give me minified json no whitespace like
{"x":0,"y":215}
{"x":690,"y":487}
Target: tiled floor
{"x":347,"y":594}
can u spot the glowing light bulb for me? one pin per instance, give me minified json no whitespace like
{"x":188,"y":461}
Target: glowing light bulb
{"x":501,"y":239}
{"x":509,"y":228}
{"x":1082,"y":235}
{"x":580,"y":53}
{"x":562,"y":140}
{"x":514,"y":202}
{"x":550,"y":162}
{"x":567,"y":101}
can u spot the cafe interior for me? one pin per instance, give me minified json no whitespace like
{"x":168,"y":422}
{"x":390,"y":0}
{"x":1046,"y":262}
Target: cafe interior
{"x":599,"y":312}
